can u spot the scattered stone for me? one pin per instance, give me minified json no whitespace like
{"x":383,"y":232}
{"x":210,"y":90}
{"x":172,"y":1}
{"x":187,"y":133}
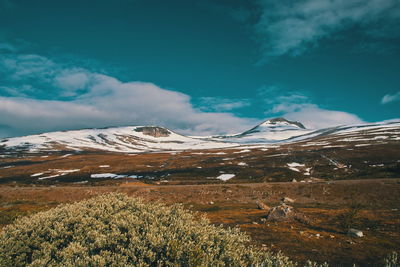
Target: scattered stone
{"x":331,"y":236}
{"x":263,"y":220}
{"x":255,"y":222}
{"x":280,"y":213}
{"x":211,"y":202}
{"x":262,"y":206}
{"x":287,"y":200}
{"x":317,"y":235}
{"x":294,"y":181}
{"x":355,"y":233}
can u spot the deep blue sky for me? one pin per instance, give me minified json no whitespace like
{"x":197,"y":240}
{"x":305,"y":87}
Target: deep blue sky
{"x":248,"y":60}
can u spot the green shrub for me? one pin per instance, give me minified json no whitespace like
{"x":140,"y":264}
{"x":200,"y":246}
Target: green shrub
{"x":392,"y":260}
{"x":116,"y":230}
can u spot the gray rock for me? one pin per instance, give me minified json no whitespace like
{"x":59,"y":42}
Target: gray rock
{"x":281,"y":213}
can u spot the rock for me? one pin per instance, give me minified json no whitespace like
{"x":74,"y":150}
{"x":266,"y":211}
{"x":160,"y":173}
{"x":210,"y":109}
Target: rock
{"x":280,"y":213}
{"x":355,"y":233}
{"x":294,"y":181}
{"x":263,"y":220}
{"x":255,"y":222}
{"x":211,"y":202}
{"x":153,"y":131}
{"x":287,"y":200}
{"x":262,"y":206}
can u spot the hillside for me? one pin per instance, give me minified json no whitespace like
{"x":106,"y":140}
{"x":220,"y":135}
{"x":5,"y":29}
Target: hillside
{"x":155,"y":154}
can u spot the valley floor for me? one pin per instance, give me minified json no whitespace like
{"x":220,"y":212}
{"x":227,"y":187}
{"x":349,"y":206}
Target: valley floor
{"x":329,"y":208}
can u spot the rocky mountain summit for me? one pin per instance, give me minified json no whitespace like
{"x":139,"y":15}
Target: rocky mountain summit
{"x":153,"y":131}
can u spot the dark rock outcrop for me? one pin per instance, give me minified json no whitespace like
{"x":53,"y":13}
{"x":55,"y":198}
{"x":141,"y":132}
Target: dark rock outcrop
{"x":153,"y":131}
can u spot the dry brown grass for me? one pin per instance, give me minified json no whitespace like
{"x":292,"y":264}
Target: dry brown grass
{"x":323,"y":204}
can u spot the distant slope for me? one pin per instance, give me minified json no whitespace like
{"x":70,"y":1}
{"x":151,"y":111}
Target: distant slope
{"x":135,"y":139}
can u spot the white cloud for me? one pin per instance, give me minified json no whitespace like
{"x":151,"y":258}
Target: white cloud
{"x":390,"y":98}
{"x":295,"y":105}
{"x":102,"y":101}
{"x":313,"y":117}
{"x":72,"y":80}
{"x":43,"y":95}
{"x":290,"y":27}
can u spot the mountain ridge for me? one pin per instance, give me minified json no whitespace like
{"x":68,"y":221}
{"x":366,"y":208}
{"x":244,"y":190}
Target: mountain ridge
{"x":156,"y":138}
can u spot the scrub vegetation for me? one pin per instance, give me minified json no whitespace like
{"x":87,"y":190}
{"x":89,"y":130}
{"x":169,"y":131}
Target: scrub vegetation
{"x":117,"y":230}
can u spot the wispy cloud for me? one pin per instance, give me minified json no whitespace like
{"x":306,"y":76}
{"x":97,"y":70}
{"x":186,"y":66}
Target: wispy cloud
{"x":291,"y":26}
{"x":388,"y":98}
{"x":6,"y":47}
{"x":297,"y":105}
{"x":220,"y":104}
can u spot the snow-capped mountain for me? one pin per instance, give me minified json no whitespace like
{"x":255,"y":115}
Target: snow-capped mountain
{"x":135,"y":139}
{"x":116,"y":139}
{"x":270,"y":131}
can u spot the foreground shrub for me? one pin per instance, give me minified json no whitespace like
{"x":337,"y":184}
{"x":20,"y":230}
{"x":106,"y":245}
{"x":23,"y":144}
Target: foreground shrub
{"x":392,"y":260}
{"x":116,"y":230}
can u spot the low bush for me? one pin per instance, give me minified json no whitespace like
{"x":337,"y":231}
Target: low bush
{"x":116,"y":230}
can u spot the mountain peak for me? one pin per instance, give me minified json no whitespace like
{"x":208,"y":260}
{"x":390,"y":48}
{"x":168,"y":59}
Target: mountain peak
{"x":282,"y":121}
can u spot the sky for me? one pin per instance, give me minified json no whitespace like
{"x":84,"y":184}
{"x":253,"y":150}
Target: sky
{"x":198,"y":67}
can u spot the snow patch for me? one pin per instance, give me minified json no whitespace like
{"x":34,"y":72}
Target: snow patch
{"x":242,"y":151}
{"x":112,"y":175}
{"x":294,"y":166}
{"x":225,"y":177}
{"x":7,"y":167}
